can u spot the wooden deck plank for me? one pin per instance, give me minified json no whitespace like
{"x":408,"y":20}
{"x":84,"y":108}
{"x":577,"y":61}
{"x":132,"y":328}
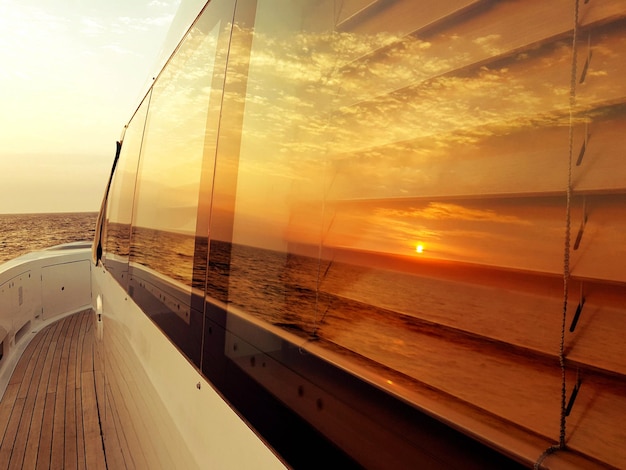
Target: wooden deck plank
{"x":71,"y":434}
{"x":70,"y":459}
{"x":28,"y":391}
{"x":94,"y":451}
{"x":54,"y":377}
{"x":32,"y":364}
{"x":117,"y":451}
{"x":6,"y":408}
{"x":48,"y":415}
{"x":31,"y":430}
{"x":139,"y":433}
{"x":87,"y":342}
{"x":93,"y":448}
{"x":128,"y":434}
{"x":12,"y":428}
{"x":44,"y":452}
{"x":58,"y":436}
{"x":81,"y":460}
{"x":80,"y":431}
{"x":34,"y":435}
{"x":20,"y":368}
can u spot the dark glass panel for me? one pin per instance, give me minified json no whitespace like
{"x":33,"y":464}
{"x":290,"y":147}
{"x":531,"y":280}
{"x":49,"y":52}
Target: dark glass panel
{"x":269,"y":160}
{"x":120,"y":200}
{"x":170,"y":219}
{"x":390,"y":196}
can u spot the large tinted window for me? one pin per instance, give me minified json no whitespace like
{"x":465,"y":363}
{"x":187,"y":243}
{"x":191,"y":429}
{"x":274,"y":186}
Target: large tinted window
{"x":120,"y":201}
{"x":279,"y":160}
{"x":400,"y":193}
{"x":169,"y":242}
{"x":384,"y":186}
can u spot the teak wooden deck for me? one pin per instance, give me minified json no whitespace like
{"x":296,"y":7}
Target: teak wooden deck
{"x":49,"y":414}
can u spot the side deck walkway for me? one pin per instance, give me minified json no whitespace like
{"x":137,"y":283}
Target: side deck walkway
{"x":49,"y":413}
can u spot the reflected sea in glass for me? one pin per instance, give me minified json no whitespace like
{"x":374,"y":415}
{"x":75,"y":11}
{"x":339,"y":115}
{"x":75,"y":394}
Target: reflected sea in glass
{"x":406,"y":321}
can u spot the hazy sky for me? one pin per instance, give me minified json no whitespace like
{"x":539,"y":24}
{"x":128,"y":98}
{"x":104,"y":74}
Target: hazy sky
{"x":71,"y":74}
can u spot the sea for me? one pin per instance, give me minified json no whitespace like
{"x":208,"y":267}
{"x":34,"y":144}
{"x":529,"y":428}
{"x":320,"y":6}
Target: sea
{"x":23,"y":233}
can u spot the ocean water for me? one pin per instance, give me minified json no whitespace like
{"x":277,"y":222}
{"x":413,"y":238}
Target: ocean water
{"x":23,"y":233}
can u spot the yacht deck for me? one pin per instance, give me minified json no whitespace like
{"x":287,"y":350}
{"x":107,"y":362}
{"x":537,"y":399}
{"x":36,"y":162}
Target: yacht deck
{"x":49,"y":413}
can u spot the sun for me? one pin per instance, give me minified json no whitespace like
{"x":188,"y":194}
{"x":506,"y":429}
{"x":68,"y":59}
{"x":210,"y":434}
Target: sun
{"x":419,"y":248}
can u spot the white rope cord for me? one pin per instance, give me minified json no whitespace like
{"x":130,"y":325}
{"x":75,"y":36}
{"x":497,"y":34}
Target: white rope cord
{"x":566,"y":258}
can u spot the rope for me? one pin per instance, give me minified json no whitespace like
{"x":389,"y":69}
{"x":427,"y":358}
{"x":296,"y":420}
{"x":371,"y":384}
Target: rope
{"x":566,"y":257}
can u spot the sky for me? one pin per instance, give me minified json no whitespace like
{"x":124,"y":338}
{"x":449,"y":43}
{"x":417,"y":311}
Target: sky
{"x":72,"y":73}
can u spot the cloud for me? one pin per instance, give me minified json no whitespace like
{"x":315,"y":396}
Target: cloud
{"x":117,"y":49}
{"x":125,"y":24}
{"x":159,"y":4}
{"x":171,"y":5}
{"x":448,"y":211}
{"x":91,"y":27}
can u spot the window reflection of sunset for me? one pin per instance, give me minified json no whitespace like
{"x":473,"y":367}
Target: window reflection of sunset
{"x":356,"y":120}
{"x":175,"y":137}
{"x":460,"y":110}
{"x":373,"y":191}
